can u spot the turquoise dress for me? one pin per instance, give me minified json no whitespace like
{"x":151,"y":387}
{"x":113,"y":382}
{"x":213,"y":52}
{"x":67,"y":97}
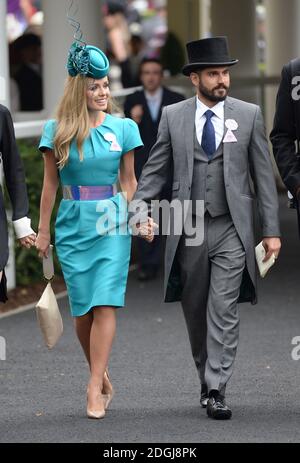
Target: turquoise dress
{"x":91,"y":236}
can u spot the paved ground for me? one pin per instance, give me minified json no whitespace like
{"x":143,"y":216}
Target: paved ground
{"x":157,"y":399}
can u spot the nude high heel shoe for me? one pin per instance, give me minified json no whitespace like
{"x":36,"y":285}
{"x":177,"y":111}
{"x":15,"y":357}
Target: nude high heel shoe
{"x":96,"y":414}
{"x":108,"y":395}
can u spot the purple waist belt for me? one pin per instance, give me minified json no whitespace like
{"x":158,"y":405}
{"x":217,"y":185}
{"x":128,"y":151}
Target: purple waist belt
{"x":87,"y":193}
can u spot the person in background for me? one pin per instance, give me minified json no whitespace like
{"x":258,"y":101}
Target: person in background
{"x":132,"y":14}
{"x":19,"y":16}
{"x":285,"y":135}
{"x":130,"y":67}
{"x":28,"y":74}
{"x":117,"y":30}
{"x":145,"y":108}
{"x":15,"y":182}
{"x":155,"y":29}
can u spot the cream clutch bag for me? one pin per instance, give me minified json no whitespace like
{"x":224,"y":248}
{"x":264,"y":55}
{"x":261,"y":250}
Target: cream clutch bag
{"x":47,"y":311}
{"x":263,"y":267}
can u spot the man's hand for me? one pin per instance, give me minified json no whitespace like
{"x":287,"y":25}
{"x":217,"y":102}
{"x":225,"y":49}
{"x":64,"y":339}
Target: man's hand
{"x":146,"y":230}
{"x":272,"y":246}
{"x":28,"y":241}
{"x":137,"y":113}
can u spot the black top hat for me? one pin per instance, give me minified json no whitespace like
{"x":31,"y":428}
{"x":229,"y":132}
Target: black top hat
{"x":206,"y":53}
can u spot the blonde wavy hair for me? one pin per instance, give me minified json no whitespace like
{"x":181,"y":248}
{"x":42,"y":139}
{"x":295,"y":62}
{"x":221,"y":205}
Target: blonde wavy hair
{"x":73,"y":122}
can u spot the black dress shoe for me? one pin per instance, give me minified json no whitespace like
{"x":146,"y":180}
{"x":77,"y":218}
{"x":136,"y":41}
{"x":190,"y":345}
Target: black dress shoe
{"x":217,"y":408}
{"x":204,"y":396}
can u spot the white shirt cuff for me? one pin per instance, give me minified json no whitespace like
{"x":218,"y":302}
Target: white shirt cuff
{"x":22,"y":227}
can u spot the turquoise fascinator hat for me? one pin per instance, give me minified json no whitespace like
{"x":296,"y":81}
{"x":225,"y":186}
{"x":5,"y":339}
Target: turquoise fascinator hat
{"x":87,"y":60}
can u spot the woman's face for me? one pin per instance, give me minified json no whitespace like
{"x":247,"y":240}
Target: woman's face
{"x":97,"y":94}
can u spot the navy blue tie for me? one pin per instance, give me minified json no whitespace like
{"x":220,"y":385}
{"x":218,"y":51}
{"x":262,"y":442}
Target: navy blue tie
{"x":208,"y":141}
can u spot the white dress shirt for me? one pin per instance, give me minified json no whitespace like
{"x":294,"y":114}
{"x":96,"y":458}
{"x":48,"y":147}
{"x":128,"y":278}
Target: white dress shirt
{"x":217,"y":120}
{"x":154,"y":102}
{"x":23,"y":227}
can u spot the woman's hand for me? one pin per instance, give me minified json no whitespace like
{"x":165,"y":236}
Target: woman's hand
{"x":42,"y":243}
{"x":28,"y":241}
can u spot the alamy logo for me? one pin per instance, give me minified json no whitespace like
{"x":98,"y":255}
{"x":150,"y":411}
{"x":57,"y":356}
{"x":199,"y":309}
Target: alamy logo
{"x":172,"y":218}
{"x":296,"y":351}
{"x":2,"y":348}
{"x":296,"y":88}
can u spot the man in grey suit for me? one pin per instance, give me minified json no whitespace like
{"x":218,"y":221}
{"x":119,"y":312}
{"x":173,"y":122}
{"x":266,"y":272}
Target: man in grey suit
{"x":215,"y":145}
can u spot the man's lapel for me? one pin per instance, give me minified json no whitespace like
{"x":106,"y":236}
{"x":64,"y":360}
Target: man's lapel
{"x":147,"y":113}
{"x":228,"y":114}
{"x":189,"y":119}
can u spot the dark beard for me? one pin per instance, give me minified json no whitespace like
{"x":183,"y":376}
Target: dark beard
{"x":210,"y":95}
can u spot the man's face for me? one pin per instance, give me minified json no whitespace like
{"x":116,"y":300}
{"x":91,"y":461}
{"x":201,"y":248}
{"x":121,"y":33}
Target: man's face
{"x":212,"y":83}
{"x":151,"y":76}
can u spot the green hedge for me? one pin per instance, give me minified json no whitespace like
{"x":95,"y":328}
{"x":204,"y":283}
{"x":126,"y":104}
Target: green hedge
{"x":28,"y":264}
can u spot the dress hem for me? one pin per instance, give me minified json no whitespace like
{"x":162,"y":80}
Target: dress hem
{"x":116,"y":306}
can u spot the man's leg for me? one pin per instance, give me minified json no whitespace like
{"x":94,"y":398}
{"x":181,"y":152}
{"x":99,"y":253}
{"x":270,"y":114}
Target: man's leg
{"x":227,"y":257}
{"x":195,"y":276}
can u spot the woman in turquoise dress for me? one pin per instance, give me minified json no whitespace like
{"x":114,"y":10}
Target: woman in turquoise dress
{"x":88,"y":150}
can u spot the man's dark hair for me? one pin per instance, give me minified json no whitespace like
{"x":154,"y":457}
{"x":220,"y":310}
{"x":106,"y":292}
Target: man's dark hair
{"x":115,"y":6}
{"x":27,"y":40}
{"x":150,"y":60}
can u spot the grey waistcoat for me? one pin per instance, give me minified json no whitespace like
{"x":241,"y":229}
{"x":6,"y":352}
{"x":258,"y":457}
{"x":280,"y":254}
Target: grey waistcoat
{"x":208,"y":181}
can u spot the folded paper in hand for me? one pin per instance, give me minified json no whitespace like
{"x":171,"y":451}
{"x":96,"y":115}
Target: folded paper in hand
{"x":48,"y":314}
{"x":260,"y":254}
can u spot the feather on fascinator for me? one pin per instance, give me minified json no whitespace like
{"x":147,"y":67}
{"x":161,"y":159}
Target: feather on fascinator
{"x":84,"y":59}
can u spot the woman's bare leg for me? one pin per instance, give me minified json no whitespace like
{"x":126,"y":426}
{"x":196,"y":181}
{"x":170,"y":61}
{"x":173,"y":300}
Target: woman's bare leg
{"x":101,"y":338}
{"x":83,"y":326}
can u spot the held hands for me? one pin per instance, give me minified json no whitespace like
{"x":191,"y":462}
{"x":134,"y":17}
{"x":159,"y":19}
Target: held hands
{"x":42,"y":243}
{"x":28,"y":241}
{"x":146,"y":230}
{"x":272,"y":246}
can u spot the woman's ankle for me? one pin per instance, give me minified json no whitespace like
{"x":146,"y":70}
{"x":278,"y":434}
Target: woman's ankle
{"x":95,"y":383}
